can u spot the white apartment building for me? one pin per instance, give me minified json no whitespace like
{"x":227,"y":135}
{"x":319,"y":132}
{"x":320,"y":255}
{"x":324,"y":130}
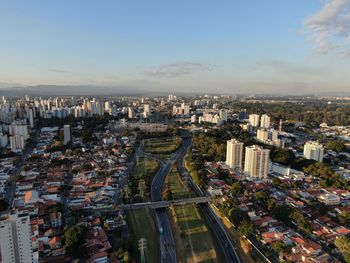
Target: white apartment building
{"x":108,"y":107}
{"x":131,"y":113}
{"x":3,"y":140}
{"x":17,"y":143}
{"x":256,"y":161}
{"x":67,"y":136}
{"x":19,"y":128}
{"x":193,"y":118}
{"x":265,"y":121}
{"x":234,"y":154}
{"x":262,"y":135}
{"x":254,"y":120}
{"x":313,"y":151}
{"x":223,"y":115}
{"x":15,"y":239}
{"x":146,"y":110}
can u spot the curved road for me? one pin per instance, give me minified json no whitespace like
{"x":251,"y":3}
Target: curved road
{"x":167,"y":242}
{"x":216,"y":225}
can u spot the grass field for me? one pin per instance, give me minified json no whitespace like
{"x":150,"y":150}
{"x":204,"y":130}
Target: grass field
{"x":143,"y":166}
{"x":178,"y":188}
{"x":141,"y":178}
{"x":193,"y":240}
{"x":165,"y":145}
{"x":142,"y":225}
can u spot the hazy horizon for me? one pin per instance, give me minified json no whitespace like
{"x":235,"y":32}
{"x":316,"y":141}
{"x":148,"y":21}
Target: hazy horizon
{"x":289,"y":47}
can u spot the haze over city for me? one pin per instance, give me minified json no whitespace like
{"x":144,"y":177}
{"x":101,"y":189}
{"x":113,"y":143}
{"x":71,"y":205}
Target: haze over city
{"x":284,"y":47}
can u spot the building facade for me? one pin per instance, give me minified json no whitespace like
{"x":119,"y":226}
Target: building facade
{"x":234,"y":154}
{"x":15,"y":239}
{"x":313,"y":151}
{"x":256,"y":161}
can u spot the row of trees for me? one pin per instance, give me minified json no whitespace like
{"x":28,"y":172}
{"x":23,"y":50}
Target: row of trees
{"x":195,"y":165}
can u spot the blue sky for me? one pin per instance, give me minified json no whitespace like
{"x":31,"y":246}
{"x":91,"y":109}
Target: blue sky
{"x":218,"y":46}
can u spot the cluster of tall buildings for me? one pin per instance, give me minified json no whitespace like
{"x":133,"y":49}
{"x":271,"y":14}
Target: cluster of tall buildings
{"x":91,"y":108}
{"x":256,"y":161}
{"x":215,"y":117}
{"x":183,"y":109}
{"x":255,"y":120}
{"x":145,"y":111}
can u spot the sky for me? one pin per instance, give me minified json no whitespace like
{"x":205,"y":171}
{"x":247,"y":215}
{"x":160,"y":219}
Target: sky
{"x":234,"y":46}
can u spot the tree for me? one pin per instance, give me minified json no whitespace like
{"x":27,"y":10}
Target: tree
{"x":236,"y":216}
{"x":278,"y":247}
{"x":276,"y":182}
{"x":344,"y":218}
{"x":73,"y":241}
{"x":300,"y":220}
{"x":343,"y":244}
{"x":271,"y":204}
{"x":283,"y":156}
{"x":236,"y":188}
{"x":282,"y":212}
{"x":3,"y":205}
{"x":245,"y":228}
{"x":337,"y":145}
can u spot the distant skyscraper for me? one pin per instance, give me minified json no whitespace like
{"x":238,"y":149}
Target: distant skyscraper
{"x":313,"y":151}
{"x":131,"y":113}
{"x":15,"y":239}
{"x":18,"y":135}
{"x":146,"y":110}
{"x":223,"y":115}
{"x":254,"y":120}
{"x":193,"y":118}
{"x":234,"y":154}
{"x":67,"y":137}
{"x":107,"y":107}
{"x":265,"y":121}
{"x":280,"y":127}
{"x":31,"y":118}
{"x":256,"y":161}
{"x":3,"y":140}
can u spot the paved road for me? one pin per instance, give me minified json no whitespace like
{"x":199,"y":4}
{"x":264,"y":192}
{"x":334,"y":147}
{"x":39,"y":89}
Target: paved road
{"x":211,"y":218}
{"x":167,"y":242}
{"x":165,"y":204}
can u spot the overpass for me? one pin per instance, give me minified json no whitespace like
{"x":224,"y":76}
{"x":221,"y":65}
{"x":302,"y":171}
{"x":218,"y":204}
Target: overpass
{"x":164,"y":204}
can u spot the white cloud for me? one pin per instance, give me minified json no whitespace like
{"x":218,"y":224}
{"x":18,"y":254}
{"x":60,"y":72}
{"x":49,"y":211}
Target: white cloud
{"x":178,"y":69}
{"x":329,"y":28}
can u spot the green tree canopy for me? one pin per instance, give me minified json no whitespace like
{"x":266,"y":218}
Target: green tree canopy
{"x":73,"y":241}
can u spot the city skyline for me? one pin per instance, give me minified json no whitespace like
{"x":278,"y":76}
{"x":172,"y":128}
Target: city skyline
{"x":294,"y":47}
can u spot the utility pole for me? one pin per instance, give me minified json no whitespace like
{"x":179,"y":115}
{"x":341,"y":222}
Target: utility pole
{"x":142,"y":247}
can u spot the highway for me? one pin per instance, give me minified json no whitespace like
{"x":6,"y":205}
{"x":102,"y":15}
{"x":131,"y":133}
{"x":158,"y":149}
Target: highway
{"x":167,"y":243}
{"x":211,"y":218}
